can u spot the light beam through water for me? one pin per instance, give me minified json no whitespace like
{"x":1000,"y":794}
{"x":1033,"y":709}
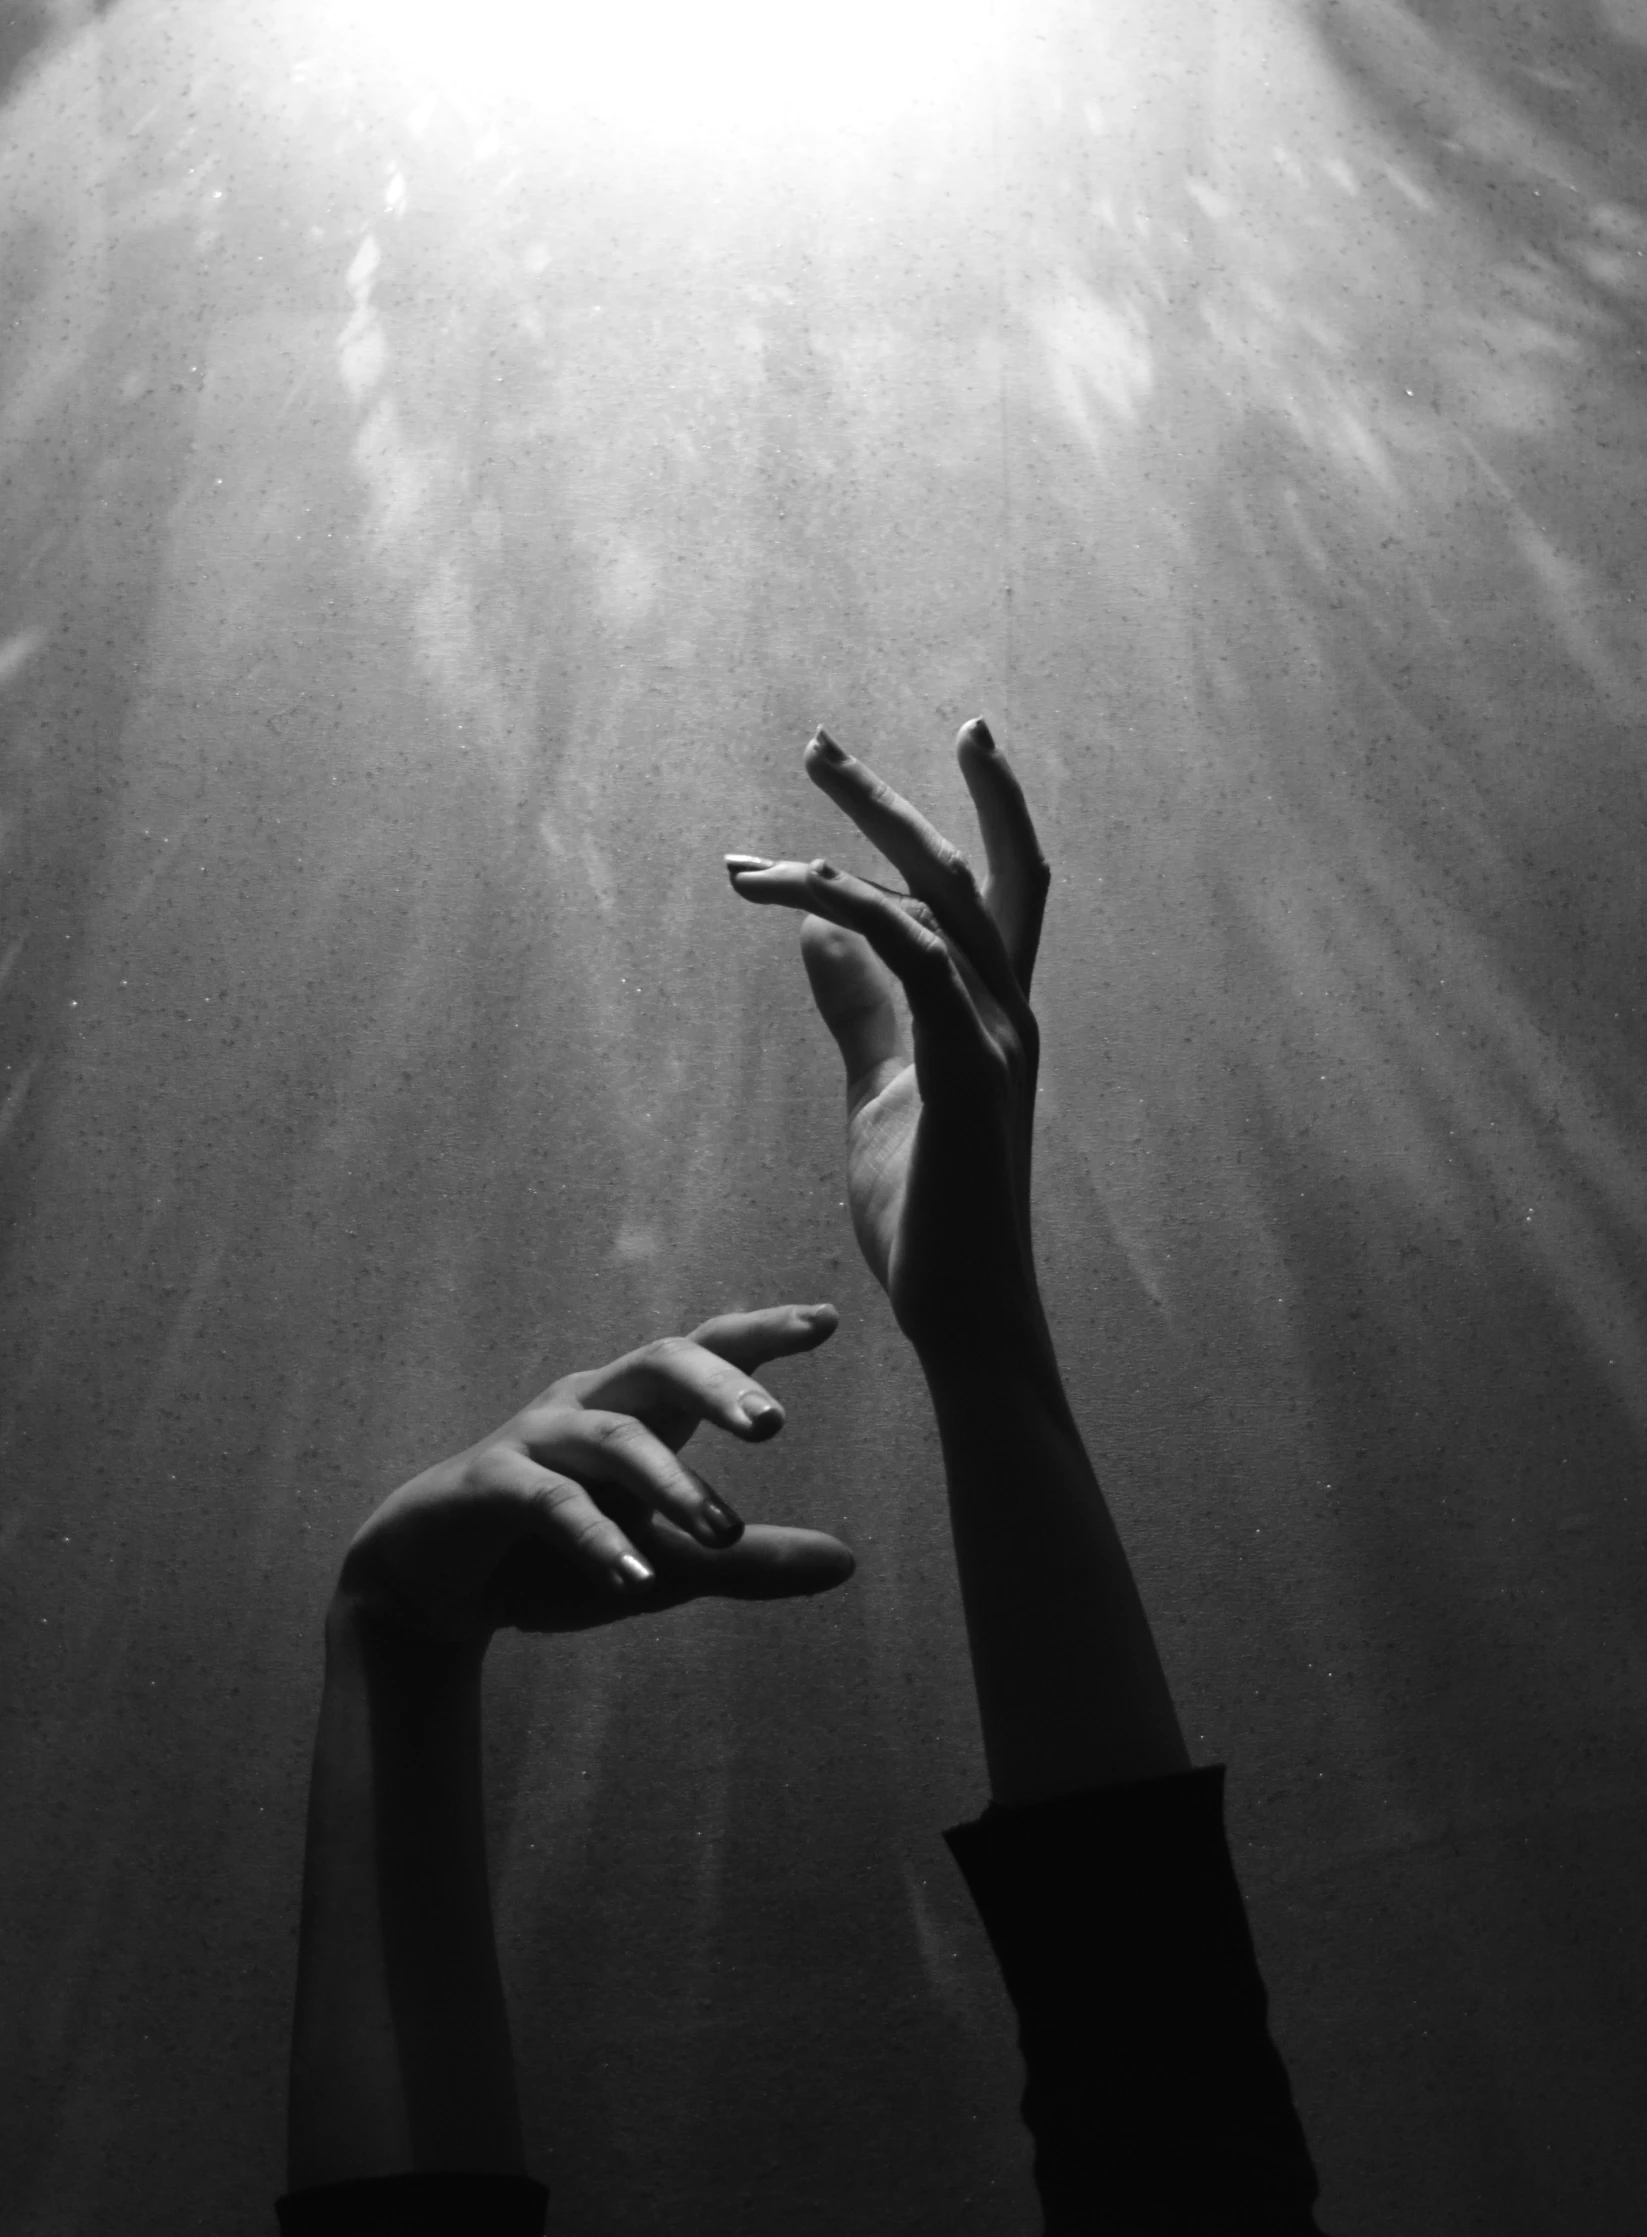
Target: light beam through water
{"x":728,"y":76}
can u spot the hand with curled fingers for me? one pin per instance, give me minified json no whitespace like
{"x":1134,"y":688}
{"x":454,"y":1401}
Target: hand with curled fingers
{"x":938,"y":1142}
{"x":578,"y":1510}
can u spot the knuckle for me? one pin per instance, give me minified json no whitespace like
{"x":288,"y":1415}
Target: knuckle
{"x":477,"y":1473}
{"x":590,"y":1530}
{"x":995,"y":1059}
{"x":556,"y":1500}
{"x":1020,"y":1039}
{"x":1017,"y":1071}
{"x":616,"y":1432}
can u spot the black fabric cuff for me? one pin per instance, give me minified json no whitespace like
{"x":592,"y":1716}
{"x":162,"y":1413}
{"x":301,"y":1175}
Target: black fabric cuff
{"x":424,"y":2205}
{"x":1153,"y":2085}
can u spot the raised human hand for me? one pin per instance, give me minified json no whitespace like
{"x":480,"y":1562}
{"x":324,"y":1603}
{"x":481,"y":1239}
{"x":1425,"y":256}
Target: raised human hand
{"x":577,"y":1511}
{"x":938,"y":1145}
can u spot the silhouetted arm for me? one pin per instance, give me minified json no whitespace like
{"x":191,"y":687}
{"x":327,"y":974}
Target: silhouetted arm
{"x":1157,"y":2101}
{"x":1070,"y":1688}
{"x":400,"y":2048}
{"x":575,"y":1513}
{"x":1071,"y":1694}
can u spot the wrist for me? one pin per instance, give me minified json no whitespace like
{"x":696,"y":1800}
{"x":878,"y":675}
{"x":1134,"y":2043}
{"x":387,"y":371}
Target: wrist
{"x":1006,"y":1364}
{"x":360,"y":1631}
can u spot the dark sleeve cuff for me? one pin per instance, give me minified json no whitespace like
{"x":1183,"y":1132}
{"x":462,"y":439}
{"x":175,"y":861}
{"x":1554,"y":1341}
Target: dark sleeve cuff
{"x":427,"y":2205}
{"x":1155,"y":2094}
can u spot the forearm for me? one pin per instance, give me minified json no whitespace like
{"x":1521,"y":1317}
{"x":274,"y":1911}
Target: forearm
{"x":1071,"y":1693}
{"x":400,"y":2052}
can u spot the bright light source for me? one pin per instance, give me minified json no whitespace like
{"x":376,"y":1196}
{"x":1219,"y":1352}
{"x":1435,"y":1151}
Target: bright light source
{"x":734,"y":75}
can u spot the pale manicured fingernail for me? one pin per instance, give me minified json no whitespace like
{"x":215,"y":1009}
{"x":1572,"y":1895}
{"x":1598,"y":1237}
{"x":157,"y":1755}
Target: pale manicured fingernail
{"x":981,"y":731}
{"x":761,"y":1413}
{"x":737,"y":862}
{"x":631,"y":1573}
{"x":827,"y":746}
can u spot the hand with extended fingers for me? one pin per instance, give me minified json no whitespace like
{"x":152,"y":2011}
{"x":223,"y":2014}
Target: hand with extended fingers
{"x":578,"y":1511}
{"x":938,"y":1149}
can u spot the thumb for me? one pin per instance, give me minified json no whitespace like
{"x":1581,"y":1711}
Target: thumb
{"x":769,"y":1562}
{"x":853,"y":991}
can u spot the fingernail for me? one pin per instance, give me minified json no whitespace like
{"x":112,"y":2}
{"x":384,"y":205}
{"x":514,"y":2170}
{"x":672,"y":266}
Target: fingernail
{"x":981,"y":731}
{"x":720,"y":1522}
{"x":761,"y":1414}
{"x":736,"y":862}
{"x":631,"y":1573}
{"x":827,"y":746}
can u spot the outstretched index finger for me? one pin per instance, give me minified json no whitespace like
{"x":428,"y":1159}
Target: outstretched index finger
{"x":771,"y":1561}
{"x":748,"y":1340}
